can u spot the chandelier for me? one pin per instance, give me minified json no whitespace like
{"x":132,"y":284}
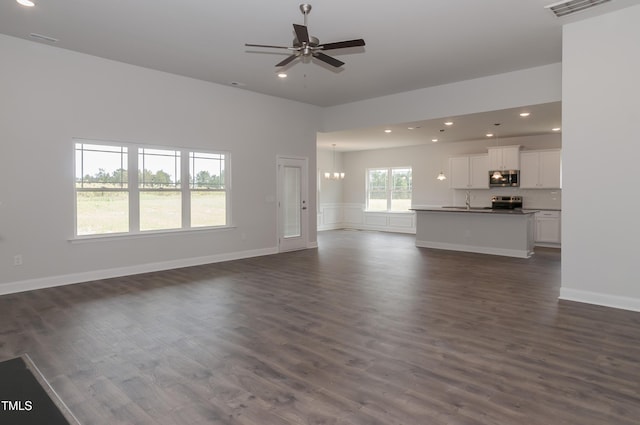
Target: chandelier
{"x":334,"y":175}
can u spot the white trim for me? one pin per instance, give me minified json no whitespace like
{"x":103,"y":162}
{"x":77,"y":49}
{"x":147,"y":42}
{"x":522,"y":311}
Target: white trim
{"x":133,"y":188}
{"x":330,"y":216}
{"x":477,"y":249}
{"x":53,"y":395}
{"x":333,"y":216}
{"x":353,"y":215}
{"x":548,"y":245}
{"x":301,"y":242}
{"x":49,"y":282}
{"x":598,"y":298}
{"x":389,"y":185}
{"x":147,"y":234}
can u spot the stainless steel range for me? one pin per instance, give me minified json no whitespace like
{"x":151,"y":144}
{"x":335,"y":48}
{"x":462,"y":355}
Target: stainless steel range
{"x":500,"y":202}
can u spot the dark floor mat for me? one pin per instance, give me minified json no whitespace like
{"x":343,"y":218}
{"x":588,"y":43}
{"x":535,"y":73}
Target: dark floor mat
{"x":27,"y":399}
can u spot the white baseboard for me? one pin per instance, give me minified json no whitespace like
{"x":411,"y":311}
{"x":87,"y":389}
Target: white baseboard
{"x":548,"y":245}
{"x":49,"y":282}
{"x":606,"y":300}
{"x":333,"y":226}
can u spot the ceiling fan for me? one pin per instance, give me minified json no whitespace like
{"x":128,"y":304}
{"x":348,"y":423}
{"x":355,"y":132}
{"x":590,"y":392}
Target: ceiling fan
{"x":306,"y":46}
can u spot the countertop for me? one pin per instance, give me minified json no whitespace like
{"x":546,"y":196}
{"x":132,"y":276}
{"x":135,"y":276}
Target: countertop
{"x":479,"y":210}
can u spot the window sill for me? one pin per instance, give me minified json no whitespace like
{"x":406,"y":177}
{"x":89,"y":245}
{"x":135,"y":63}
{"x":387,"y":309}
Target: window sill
{"x":147,"y":234}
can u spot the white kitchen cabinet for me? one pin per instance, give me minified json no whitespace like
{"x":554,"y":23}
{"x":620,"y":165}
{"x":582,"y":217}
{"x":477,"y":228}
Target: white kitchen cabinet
{"x":469,"y":172}
{"x":504,"y":158}
{"x":547,"y":225}
{"x":540,"y":169}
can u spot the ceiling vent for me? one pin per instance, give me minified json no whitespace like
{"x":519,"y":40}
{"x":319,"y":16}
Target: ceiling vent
{"x":565,"y":8}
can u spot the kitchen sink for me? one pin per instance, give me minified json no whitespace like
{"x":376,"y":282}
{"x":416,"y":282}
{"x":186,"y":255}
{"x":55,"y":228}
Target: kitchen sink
{"x":472,"y":208}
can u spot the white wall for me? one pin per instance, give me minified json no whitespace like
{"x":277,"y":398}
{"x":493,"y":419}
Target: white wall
{"x":519,"y":88}
{"x":49,"y":96}
{"x":601,"y":132}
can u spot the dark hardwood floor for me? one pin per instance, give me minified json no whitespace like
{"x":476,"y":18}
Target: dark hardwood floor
{"x":367,"y":329}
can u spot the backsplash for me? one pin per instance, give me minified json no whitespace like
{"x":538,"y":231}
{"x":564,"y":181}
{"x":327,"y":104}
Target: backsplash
{"x":532,"y":198}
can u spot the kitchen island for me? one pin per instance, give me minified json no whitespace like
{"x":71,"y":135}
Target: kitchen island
{"x":507,"y":232}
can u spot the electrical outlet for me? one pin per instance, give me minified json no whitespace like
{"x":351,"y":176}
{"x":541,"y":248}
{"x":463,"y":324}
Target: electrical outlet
{"x":17,"y":260}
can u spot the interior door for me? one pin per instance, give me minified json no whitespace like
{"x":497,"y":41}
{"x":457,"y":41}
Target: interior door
{"x":293,"y":203}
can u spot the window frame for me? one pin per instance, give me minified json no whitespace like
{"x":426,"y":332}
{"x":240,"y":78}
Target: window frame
{"x":134,"y":190}
{"x":389,"y":188}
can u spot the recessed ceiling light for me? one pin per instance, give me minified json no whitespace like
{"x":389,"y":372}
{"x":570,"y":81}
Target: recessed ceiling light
{"x":448,"y":123}
{"x":410,"y":128}
{"x":26,"y":3}
{"x":282,"y":75}
{"x":555,"y":129}
{"x":434,"y":140}
{"x":237,"y":84}
{"x":387,"y":131}
{"x":489,"y":134}
{"x":525,"y":114}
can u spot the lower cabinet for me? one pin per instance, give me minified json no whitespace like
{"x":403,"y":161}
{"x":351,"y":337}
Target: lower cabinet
{"x":548,"y":228}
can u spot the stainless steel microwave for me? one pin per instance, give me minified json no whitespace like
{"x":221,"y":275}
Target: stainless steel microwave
{"x":505,"y":178}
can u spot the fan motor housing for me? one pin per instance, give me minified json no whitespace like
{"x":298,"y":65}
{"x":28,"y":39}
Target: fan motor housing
{"x":313,"y":42}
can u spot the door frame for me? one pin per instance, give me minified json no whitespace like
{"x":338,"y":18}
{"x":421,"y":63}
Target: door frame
{"x":301,"y":242}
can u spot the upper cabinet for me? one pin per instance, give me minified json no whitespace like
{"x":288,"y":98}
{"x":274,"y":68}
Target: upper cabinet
{"x":504,"y":158}
{"x":541,"y":169}
{"x":469,"y":172}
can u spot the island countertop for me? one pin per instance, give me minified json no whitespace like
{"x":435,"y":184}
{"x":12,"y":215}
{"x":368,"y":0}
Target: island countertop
{"x":482,"y":210}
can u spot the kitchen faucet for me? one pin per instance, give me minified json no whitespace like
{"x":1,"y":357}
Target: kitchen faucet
{"x":467,"y":200}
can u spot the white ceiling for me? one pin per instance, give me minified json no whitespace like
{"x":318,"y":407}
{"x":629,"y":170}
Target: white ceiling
{"x":542,"y":119}
{"x":410,"y":44}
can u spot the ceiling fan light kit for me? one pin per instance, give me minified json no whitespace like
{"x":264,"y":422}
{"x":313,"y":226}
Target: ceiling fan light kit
{"x":306,"y":46}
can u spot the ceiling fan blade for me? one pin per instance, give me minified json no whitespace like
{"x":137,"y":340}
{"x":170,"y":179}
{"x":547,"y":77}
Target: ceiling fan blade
{"x":342,"y":44}
{"x":266,"y":45}
{"x":301,"y":33}
{"x":328,"y":59}
{"x":287,"y":60}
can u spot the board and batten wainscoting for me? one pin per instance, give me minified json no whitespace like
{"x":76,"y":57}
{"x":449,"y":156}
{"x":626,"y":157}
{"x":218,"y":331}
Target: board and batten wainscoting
{"x":333,"y":216}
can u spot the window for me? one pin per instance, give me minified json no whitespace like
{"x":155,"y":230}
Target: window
{"x":172,"y":189}
{"x":159,"y":189}
{"x":377,"y":181}
{"x":207,"y":187}
{"x":389,"y":189}
{"x":102,"y":189}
